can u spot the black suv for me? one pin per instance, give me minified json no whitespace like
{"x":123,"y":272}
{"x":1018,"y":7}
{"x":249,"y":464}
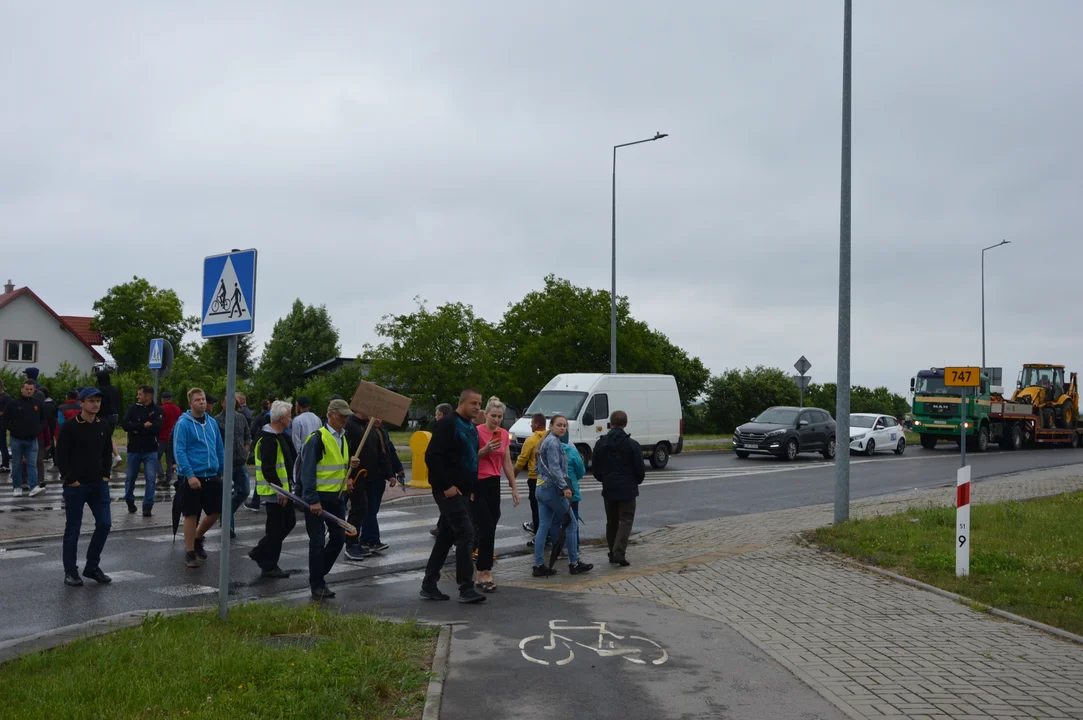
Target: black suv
{"x":785,"y":432}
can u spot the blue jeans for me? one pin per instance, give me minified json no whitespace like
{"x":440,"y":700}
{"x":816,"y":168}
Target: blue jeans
{"x":552,"y":507}
{"x":240,"y":488}
{"x":96,"y":495}
{"x":370,"y":526}
{"x":149,"y":461}
{"x":19,"y":450}
{"x":165,"y":449}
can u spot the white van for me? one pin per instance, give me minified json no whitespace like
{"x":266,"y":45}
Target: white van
{"x":587,"y":399}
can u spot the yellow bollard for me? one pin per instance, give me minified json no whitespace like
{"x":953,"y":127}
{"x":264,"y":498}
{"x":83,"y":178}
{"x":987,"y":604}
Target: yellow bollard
{"x":419,"y":471}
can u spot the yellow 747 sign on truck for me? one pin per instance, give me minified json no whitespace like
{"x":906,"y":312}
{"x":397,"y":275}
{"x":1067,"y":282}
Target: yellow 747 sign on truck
{"x":962,"y":377}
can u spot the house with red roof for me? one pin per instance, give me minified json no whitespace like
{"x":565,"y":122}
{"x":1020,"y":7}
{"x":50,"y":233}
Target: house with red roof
{"x":33,"y":335}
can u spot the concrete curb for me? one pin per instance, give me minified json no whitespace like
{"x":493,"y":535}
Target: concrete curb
{"x":962,"y":599}
{"x":13,"y":649}
{"x":435,"y":694}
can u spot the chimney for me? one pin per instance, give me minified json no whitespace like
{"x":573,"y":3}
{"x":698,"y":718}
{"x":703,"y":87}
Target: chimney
{"x":9,"y":288}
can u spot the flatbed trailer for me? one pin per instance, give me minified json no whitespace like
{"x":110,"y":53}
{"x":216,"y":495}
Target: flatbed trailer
{"x":1015,"y":425}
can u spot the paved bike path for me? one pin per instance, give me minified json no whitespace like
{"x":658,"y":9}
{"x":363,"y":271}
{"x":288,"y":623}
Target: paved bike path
{"x":710,"y":672}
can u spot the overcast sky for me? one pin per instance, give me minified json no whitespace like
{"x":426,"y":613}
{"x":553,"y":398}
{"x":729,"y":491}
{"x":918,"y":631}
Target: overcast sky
{"x":461,"y":151}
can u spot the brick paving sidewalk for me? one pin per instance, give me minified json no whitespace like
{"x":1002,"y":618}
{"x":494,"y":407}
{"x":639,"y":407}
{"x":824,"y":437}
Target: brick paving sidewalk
{"x":872,"y":646}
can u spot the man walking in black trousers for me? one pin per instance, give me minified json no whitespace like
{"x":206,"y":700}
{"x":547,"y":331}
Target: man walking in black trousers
{"x":374,"y":468}
{"x":275,"y":459}
{"x":452,"y":459}
{"x":618,"y":463}
{"x":84,"y":455}
{"x":324,"y":466}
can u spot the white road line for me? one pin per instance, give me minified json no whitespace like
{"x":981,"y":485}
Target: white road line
{"x":390,"y":538}
{"x":186,"y":590}
{"x":18,"y":554}
{"x":127,"y":575}
{"x":342,"y":566}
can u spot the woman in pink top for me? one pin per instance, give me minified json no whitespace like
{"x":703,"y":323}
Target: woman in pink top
{"x":494,"y":456}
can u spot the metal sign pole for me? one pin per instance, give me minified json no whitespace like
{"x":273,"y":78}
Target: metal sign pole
{"x":228,"y":403}
{"x":155,"y":400}
{"x":962,"y":427}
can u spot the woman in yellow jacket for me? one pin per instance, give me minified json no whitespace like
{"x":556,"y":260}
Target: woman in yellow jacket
{"x":526,"y":461}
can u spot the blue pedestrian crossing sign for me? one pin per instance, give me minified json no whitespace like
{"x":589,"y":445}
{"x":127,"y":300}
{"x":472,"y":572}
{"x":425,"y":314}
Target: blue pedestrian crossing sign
{"x":229,"y":294}
{"x":154,"y":360}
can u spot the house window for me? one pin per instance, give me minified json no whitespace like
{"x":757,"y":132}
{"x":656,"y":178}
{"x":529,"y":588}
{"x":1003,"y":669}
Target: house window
{"x":21,"y":351}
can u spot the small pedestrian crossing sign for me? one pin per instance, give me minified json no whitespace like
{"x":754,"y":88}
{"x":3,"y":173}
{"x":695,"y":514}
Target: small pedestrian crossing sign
{"x":229,"y":294}
{"x":154,"y":362}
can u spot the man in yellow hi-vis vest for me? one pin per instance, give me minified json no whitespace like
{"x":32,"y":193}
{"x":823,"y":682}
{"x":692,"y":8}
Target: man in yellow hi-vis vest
{"x":275,"y":458}
{"x":325,"y":461}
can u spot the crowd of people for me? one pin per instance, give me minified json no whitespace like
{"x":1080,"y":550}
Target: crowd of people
{"x":335,"y":469}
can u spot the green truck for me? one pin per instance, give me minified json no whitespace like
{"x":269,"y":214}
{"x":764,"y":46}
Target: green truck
{"x":989,"y":417}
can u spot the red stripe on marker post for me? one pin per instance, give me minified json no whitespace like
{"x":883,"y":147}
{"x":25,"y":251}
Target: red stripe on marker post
{"x":962,"y":495}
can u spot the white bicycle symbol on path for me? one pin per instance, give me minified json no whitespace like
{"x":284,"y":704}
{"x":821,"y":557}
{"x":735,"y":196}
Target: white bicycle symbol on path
{"x":608,"y":644}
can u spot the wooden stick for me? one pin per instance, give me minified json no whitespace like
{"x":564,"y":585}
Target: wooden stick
{"x":368,"y":429}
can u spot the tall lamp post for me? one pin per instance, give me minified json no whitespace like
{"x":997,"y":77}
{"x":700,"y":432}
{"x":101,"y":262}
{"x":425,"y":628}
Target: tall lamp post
{"x":983,"y":250}
{"x":842,"y":393}
{"x":613,"y":296}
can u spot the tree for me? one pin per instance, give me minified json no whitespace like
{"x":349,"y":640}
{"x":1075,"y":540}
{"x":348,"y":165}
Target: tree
{"x":130,"y":315}
{"x":303,"y":338}
{"x":737,"y":395}
{"x":432,"y":355}
{"x":212,"y":355}
{"x":563,"y":329}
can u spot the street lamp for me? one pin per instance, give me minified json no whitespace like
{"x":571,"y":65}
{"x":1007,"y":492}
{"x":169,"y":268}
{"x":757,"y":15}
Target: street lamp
{"x":1002,"y":242}
{"x":613,"y":296}
{"x":842,"y":384}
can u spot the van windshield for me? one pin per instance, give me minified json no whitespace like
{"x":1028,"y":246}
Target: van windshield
{"x":557,"y":402}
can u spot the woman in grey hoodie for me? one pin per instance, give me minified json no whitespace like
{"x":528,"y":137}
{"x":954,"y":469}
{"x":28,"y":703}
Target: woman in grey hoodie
{"x":554,"y":494}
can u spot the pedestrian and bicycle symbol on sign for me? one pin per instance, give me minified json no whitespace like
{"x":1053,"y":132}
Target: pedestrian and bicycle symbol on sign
{"x":563,"y":640}
{"x":229,"y":294}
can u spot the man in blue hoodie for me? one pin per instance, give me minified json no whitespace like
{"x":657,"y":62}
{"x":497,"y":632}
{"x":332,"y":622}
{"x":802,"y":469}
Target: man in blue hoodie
{"x":201,"y":460}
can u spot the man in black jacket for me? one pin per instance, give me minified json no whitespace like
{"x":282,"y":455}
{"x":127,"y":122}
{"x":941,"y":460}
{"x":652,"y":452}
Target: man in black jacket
{"x":142,"y":422}
{"x":452,"y":459}
{"x":84,"y":454}
{"x":618,"y":463}
{"x":374,"y":466}
{"x":24,"y":418}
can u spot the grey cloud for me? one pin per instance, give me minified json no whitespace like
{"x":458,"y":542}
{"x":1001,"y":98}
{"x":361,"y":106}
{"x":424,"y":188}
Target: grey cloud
{"x":462,"y":151}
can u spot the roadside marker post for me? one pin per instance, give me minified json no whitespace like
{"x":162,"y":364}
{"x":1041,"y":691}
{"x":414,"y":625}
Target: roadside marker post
{"x":962,"y":522}
{"x":229,"y":310}
{"x":963,"y":378}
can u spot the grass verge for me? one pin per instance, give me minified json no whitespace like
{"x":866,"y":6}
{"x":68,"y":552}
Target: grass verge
{"x":264,"y":661}
{"x":1026,"y":557}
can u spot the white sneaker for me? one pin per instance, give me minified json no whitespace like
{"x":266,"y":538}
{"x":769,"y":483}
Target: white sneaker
{"x":16,"y":492}
{"x":116,"y":460}
{"x":37,"y":491}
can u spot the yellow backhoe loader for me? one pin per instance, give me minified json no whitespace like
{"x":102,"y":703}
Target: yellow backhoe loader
{"x":1042,"y":386}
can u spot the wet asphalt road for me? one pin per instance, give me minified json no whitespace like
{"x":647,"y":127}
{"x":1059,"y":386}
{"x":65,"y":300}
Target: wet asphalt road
{"x":148,"y":568}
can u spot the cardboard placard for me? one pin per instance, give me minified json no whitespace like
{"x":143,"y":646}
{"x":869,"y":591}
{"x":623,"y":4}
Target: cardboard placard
{"x":378,"y":402}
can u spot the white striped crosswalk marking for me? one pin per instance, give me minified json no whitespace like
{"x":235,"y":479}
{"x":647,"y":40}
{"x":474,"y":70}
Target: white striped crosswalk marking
{"x":186,"y":590}
{"x":401,"y":557}
{"x":19,"y":554}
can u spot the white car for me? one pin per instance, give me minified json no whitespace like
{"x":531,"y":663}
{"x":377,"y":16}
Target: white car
{"x":870,"y":433}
